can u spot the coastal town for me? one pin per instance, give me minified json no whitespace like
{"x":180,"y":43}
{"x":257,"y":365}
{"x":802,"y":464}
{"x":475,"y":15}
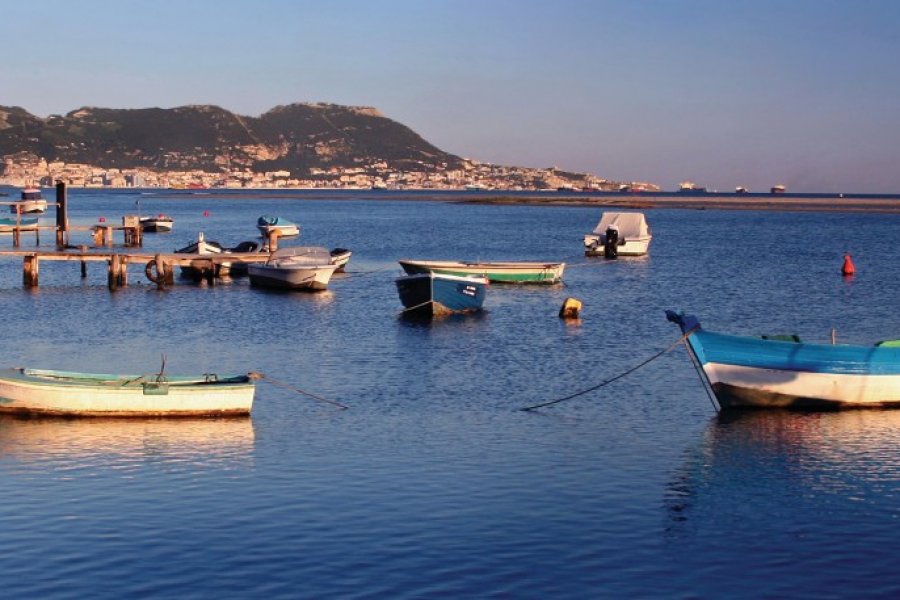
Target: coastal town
{"x":26,"y":169}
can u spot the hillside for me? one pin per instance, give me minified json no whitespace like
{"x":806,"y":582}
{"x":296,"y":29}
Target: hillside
{"x":294,"y":138}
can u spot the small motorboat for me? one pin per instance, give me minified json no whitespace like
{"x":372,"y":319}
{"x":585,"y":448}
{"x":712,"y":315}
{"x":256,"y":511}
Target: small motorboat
{"x":157,"y":224}
{"x":436,"y":294}
{"x":285,"y":228}
{"x":629,"y":233}
{"x":31,"y":202}
{"x":780,"y":371}
{"x":224,"y":268}
{"x":295,"y":268}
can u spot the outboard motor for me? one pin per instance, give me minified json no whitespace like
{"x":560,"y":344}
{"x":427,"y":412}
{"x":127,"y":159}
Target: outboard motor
{"x":611,"y":247}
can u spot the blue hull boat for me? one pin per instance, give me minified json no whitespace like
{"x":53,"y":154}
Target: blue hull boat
{"x":749,"y":372}
{"x":285,"y":228}
{"x":436,"y":294}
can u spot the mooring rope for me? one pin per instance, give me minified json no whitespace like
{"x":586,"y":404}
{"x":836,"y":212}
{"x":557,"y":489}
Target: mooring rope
{"x":351,"y":274}
{"x":262,"y":377}
{"x":612,"y":379}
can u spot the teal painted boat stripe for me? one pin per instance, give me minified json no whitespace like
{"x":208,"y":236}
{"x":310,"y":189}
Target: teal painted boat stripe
{"x":789,"y":356}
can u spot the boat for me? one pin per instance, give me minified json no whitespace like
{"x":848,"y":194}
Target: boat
{"x":31,"y":202}
{"x":780,"y":371}
{"x":294,"y":268}
{"x":67,"y":393}
{"x":689,"y":187}
{"x":285,"y":228}
{"x":8,"y":224}
{"x":339,"y":258}
{"x":205,"y":247}
{"x":436,"y":294}
{"x":740,"y":190}
{"x":495,"y":272}
{"x":159,"y":223}
{"x":633,"y":235}
{"x":777,"y":189}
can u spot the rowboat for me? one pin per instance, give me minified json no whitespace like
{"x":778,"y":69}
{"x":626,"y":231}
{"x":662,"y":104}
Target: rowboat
{"x":285,"y":228}
{"x":437,"y":294}
{"x":630,"y":230}
{"x":294,"y":268}
{"x":66,"y":393}
{"x":782,"y":372}
{"x":8,"y":224}
{"x":495,"y":272}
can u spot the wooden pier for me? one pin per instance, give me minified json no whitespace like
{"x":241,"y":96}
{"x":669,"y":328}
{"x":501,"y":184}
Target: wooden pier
{"x":159,"y":268}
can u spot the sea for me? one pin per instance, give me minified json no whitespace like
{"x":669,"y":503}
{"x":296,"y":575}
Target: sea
{"x":434,"y":483}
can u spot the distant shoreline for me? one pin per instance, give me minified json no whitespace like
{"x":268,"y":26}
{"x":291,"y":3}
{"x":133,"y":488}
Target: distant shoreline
{"x":704,"y":202}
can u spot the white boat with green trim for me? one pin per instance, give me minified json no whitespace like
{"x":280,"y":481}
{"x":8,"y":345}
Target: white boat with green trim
{"x":495,"y":272}
{"x":71,"y":394}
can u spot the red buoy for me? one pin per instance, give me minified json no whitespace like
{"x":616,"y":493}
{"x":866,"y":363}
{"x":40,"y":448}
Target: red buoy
{"x":848,"y":268}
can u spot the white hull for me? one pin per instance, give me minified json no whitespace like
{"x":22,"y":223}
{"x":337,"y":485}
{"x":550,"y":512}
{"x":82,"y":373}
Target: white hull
{"x":750,"y":386}
{"x":23,"y":396}
{"x":283,"y":230}
{"x":631,"y":247}
{"x":25,"y":207}
{"x":291,"y":276}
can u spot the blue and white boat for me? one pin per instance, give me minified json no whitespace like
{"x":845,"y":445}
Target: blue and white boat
{"x":748,"y":372}
{"x":285,"y":228}
{"x":8,"y":224}
{"x":438,"y":294}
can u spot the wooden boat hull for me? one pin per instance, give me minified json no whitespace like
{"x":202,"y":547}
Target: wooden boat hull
{"x":437,"y":294}
{"x":291,"y":277}
{"x":495,"y":272}
{"x":60,"y":393}
{"x":746,"y":372}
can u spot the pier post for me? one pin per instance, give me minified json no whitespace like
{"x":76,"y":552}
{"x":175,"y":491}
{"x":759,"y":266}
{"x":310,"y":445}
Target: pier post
{"x":112,"y":278}
{"x":83,"y":250}
{"x":16,"y":236}
{"x":273,"y":240}
{"x":30,"y":271}
{"x":62,"y":215}
{"x":123,"y":271}
{"x":108,"y":236}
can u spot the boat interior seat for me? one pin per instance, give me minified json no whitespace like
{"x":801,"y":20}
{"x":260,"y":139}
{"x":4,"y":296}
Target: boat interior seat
{"x":782,"y":337}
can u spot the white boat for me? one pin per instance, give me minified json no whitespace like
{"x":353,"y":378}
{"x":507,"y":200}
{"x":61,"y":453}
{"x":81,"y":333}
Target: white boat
{"x":159,"y":223}
{"x":66,"y":393}
{"x":296,"y":268}
{"x":31,"y":202}
{"x":285,"y":228}
{"x":633,"y":234}
{"x":783,"y":372}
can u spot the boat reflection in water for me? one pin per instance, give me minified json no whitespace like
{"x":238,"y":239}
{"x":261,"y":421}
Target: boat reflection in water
{"x":90,"y":441}
{"x":750,"y":462}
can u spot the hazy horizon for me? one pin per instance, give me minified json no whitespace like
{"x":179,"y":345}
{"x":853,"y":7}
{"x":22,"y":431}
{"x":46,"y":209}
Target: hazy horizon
{"x":721,"y":94}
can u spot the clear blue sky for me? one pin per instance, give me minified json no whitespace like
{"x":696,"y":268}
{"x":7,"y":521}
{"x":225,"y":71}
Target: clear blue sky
{"x":723,"y":93}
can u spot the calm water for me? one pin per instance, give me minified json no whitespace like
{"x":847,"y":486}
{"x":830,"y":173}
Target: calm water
{"x":433,"y":484}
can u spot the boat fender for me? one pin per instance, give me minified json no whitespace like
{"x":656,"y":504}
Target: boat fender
{"x":151,"y":272}
{"x":847,"y":268}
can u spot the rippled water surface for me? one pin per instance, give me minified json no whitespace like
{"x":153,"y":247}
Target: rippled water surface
{"x":433,"y":484}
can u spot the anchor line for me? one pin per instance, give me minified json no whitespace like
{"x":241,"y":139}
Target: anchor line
{"x":262,"y":377}
{"x":611,"y":379}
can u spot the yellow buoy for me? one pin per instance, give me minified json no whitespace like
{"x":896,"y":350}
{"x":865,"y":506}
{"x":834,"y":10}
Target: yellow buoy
{"x":571,"y":309}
